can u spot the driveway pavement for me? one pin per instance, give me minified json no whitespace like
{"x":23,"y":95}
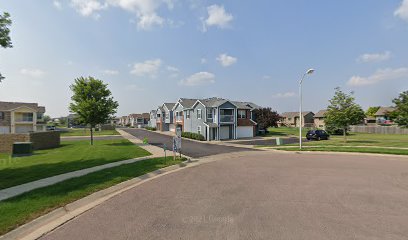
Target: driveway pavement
{"x":192,"y":149}
{"x":261,"y":195}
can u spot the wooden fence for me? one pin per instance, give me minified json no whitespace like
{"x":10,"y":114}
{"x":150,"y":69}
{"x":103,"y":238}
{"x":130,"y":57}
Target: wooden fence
{"x":379,"y":129}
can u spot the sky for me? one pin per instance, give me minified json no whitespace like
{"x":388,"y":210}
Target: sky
{"x":155,"y":51}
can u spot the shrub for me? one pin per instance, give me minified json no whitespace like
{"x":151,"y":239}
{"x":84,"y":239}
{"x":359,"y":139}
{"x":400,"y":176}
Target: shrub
{"x":151,"y":128}
{"x":191,"y":135}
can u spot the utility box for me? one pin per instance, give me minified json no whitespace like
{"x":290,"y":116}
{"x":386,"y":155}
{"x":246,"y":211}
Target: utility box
{"x":22,"y":148}
{"x":278,"y":141}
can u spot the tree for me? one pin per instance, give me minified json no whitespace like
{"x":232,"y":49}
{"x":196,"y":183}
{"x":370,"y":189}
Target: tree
{"x":401,"y":112}
{"x":46,"y":118}
{"x":371,"y":111}
{"x":92,"y":101}
{"x":265,"y":118}
{"x":343,"y":112}
{"x":5,"y":40}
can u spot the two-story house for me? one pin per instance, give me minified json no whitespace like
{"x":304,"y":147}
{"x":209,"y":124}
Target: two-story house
{"x":139,"y":120}
{"x":291,"y":119}
{"x":152,"y":121}
{"x":160,"y":120}
{"x":168,"y":117}
{"x":178,"y":111}
{"x":18,"y":117}
{"x":220,"y":119}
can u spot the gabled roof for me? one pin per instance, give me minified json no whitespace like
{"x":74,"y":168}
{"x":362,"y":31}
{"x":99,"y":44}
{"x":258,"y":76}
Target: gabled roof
{"x":153,"y":112}
{"x":320,"y":114}
{"x":145,"y":115}
{"x":169,"y":106}
{"x":294,"y":114}
{"x":245,"y":105}
{"x":186,"y":102}
{"x":7,"y":106}
{"x":160,"y":109}
{"x":213,"y":102}
{"x":382,"y":111}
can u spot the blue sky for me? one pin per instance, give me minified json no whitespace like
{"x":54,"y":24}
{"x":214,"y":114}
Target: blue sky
{"x":155,"y":51}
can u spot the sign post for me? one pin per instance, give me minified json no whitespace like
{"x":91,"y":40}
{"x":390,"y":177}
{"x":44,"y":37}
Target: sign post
{"x":177,"y":143}
{"x":164,"y":148}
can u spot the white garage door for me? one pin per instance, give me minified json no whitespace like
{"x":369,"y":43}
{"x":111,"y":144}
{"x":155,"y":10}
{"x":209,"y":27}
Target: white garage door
{"x":4,"y":129}
{"x":245,"y":132}
{"x":224,"y":132}
{"x":24,"y":128}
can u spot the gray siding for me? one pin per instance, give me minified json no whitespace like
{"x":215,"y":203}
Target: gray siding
{"x":191,"y":125}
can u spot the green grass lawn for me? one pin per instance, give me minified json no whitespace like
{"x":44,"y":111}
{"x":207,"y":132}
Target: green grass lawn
{"x":86,"y":132}
{"x":375,"y":143}
{"x":71,"y":156}
{"x":26,"y":207}
{"x":377,"y":150}
{"x":285,"y":131}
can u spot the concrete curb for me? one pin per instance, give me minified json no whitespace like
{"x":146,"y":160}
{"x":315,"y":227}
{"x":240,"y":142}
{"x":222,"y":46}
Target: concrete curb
{"x":46,"y":223}
{"x":336,"y":153}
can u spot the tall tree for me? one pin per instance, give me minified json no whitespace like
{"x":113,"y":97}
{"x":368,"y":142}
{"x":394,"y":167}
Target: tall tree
{"x":371,"y":111}
{"x":5,"y":40}
{"x":265,"y":118}
{"x":343,"y":112}
{"x":401,"y":112}
{"x":92,"y":101}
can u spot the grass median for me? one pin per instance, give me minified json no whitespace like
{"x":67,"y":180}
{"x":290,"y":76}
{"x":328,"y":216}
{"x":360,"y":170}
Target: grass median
{"x":70,"y":156}
{"x":26,"y":207}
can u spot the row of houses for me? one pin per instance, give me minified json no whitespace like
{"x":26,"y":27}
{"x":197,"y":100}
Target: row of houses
{"x":134,"y":120}
{"x":19,"y":117}
{"x":310,"y":119}
{"x":214,"y":118}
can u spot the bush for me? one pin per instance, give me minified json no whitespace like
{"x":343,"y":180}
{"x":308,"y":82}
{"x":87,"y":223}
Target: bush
{"x":335,"y":131}
{"x":191,"y":135}
{"x":151,"y":128}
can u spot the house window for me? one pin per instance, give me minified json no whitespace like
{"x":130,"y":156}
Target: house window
{"x":167,"y":116}
{"x":209,"y":113}
{"x":40,"y":115}
{"x":188,"y":114}
{"x":1,"y":115}
{"x":241,"y":114}
{"x":199,"y":129}
{"x":199,"y":113}
{"x":27,"y":117}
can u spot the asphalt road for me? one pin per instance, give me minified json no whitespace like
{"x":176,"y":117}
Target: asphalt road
{"x":190,"y":148}
{"x":262,"y":195}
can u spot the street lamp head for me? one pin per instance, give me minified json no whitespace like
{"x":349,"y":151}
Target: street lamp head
{"x":310,"y":71}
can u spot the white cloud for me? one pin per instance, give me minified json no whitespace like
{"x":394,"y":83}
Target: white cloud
{"x":145,"y":10}
{"x":197,"y":79}
{"x":226,"y":60}
{"x":379,"y":76}
{"x":284,"y":95}
{"x":374,"y":57}
{"x":89,"y":7}
{"x":110,"y":72}
{"x":217,"y":16}
{"x":57,"y":4}
{"x":35,"y":73}
{"x":174,"y":72}
{"x":402,"y":11}
{"x":146,"y":68}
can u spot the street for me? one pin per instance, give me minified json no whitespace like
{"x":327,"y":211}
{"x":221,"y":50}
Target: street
{"x":259,"y":195}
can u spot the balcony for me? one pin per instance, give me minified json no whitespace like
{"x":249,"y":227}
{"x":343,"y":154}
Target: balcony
{"x":227,"y":118}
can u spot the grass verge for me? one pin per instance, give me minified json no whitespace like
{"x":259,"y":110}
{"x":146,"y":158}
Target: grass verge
{"x":350,"y":149}
{"x":86,"y":132}
{"x":70,"y":156}
{"x":26,"y":207}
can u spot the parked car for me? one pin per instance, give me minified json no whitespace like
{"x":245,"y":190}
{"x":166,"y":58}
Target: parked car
{"x":50,"y":128}
{"x":317,"y":135}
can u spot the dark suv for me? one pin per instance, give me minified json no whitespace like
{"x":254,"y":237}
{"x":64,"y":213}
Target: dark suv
{"x":317,"y":135}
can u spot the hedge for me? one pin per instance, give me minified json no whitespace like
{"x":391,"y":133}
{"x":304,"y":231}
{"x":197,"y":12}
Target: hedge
{"x":191,"y":135}
{"x":151,"y":128}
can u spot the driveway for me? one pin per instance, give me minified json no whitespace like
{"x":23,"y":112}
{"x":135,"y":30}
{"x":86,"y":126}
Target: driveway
{"x":262,"y":195}
{"x":192,"y":149}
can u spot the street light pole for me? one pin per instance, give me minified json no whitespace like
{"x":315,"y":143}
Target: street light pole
{"x":310,"y":71}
